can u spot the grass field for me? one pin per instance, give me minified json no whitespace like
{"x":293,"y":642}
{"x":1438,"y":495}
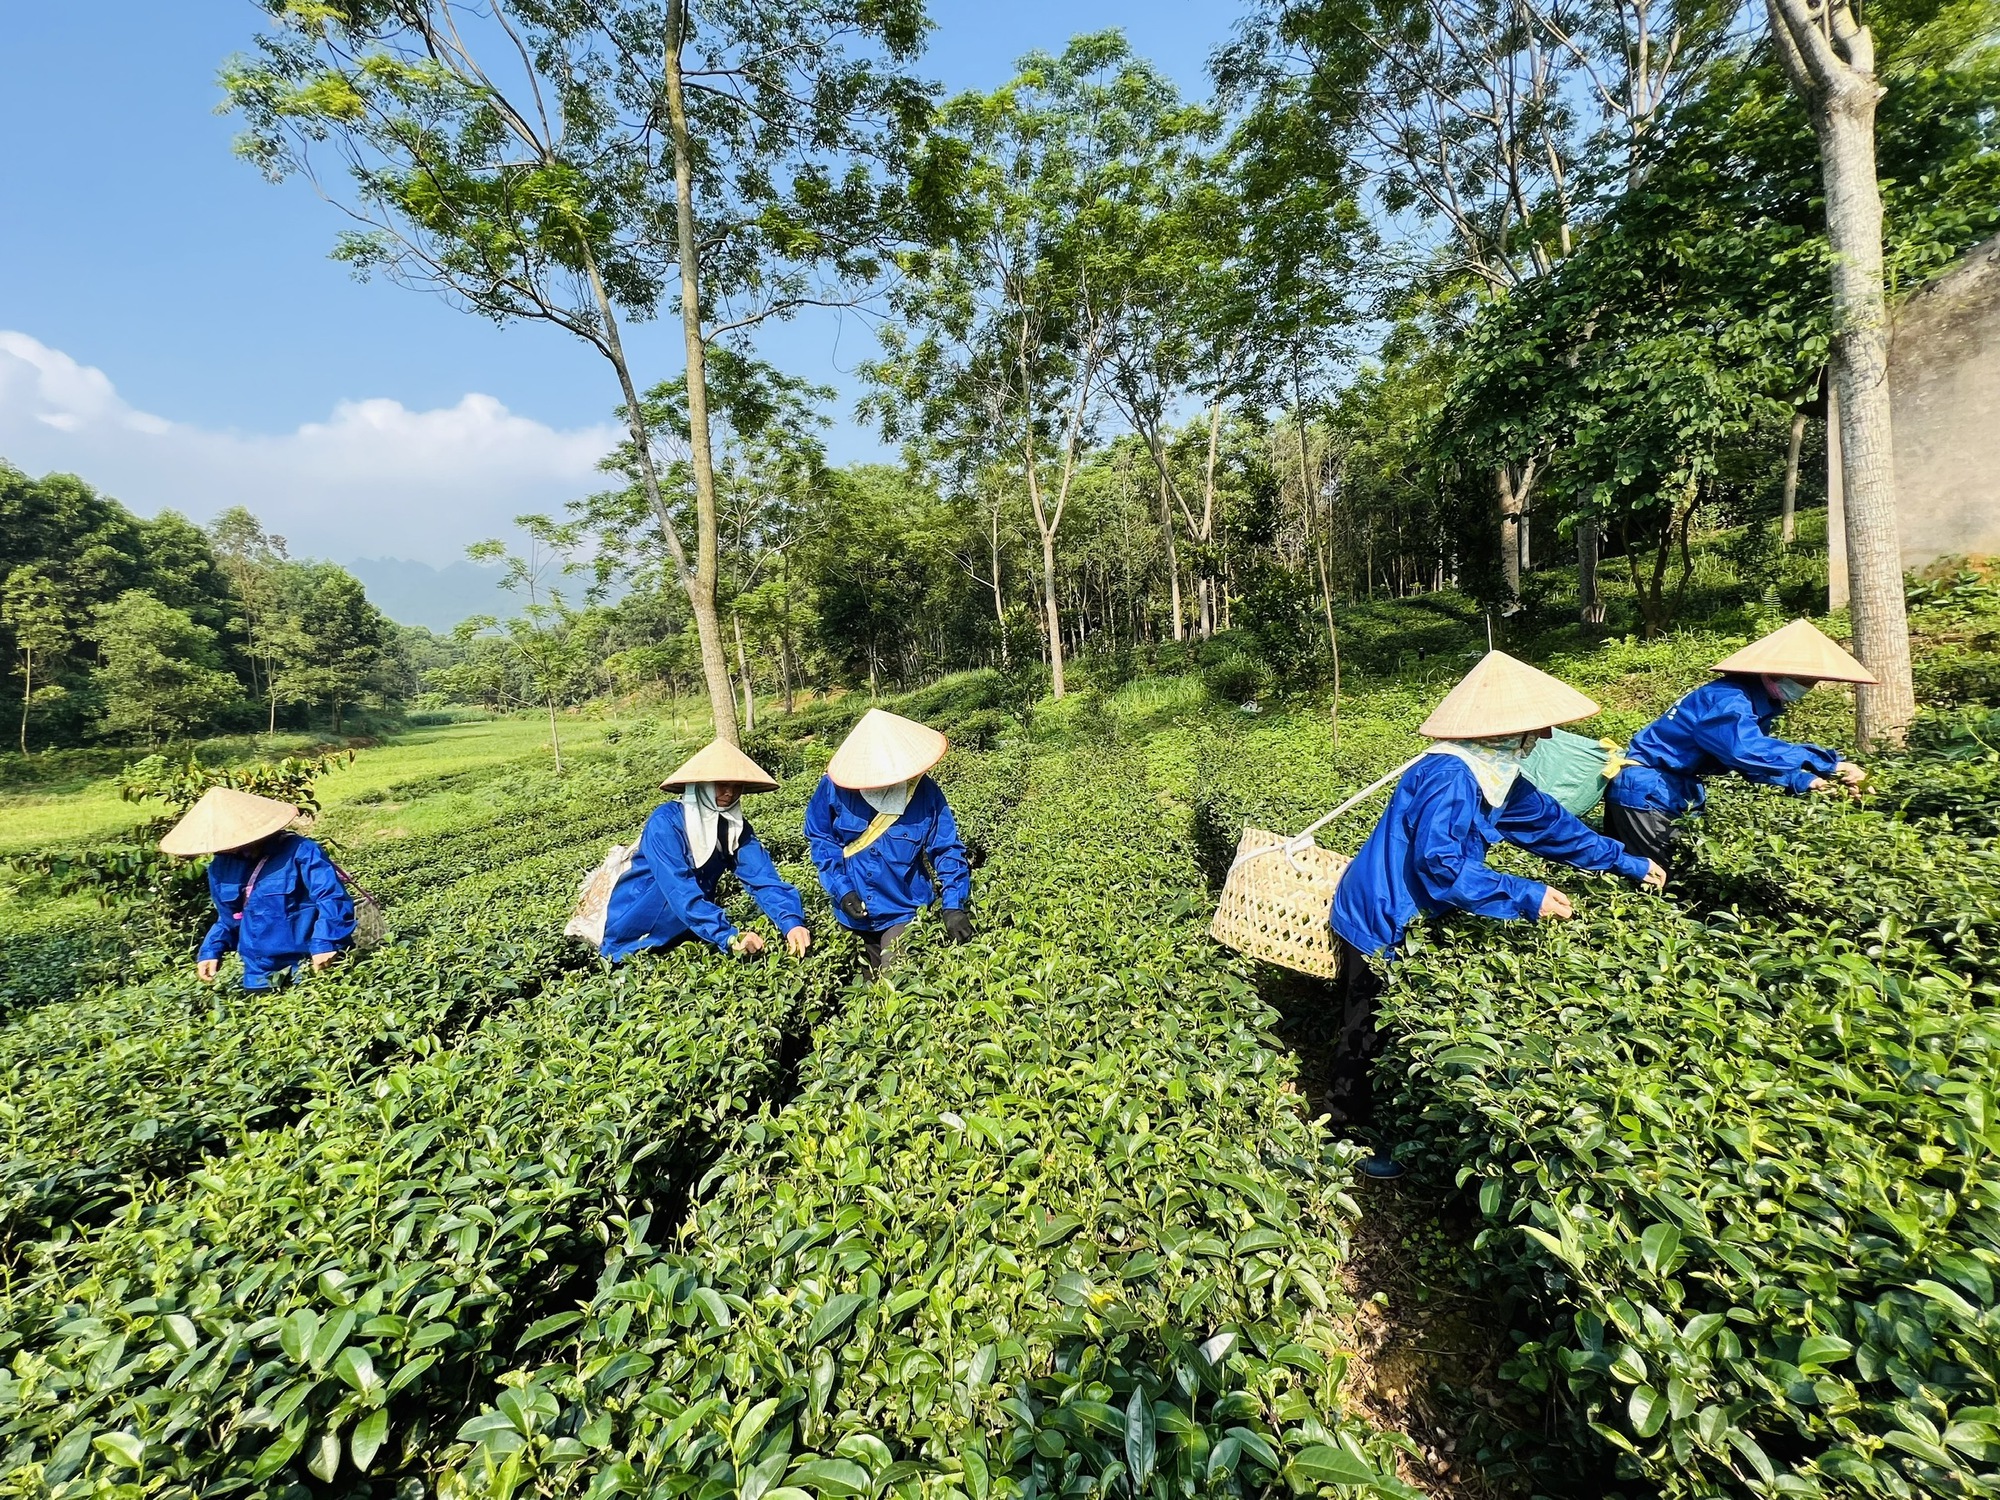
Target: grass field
{"x":383,"y":793}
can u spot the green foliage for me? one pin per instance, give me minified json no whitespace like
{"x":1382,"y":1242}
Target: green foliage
{"x":1746,"y":1155}
{"x":159,"y":674}
{"x":1959,"y":618}
{"x":1234,"y":678}
{"x":36,"y":608}
{"x":319,"y":1191}
{"x":1046,"y":1212}
{"x":188,"y":626}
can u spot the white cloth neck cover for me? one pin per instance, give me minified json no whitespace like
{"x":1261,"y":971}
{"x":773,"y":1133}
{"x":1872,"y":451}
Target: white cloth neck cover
{"x":1494,"y":763}
{"x":705,"y":821}
{"x":890,"y":799}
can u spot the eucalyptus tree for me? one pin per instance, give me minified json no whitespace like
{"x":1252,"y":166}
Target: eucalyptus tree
{"x":1160,"y":245}
{"x":1830,"y":59}
{"x":254,"y":561}
{"x":1000,"y":338}
{"x":766,"y":460}
{"x":773,"y":497}
{"x":543,"y":161}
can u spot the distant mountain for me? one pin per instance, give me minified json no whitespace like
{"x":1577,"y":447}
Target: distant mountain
{"x":415,"y":593}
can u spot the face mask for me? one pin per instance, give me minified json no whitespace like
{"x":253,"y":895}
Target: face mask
{"x":1494,"y":763}
{"x":1789,"y":689}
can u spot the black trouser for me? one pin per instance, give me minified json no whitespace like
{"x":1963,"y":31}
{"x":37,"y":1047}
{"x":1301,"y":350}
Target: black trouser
{"x":879,"y":948}
{"x":1357,"y":992}
{"x":1644,"y":832}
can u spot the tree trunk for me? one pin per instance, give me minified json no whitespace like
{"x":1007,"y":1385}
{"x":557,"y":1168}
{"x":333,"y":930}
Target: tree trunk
{"x":1510,"y":537}
{"x":701,"y":594}
{"x":999,"y":599}
{"x":1590,"y":598}
{"x":1836,"y":504}
{"x":1052,"y":611}
{"x":743,"y":670}
{"x":1208,"y":582}
{"x":785,"y":664}
{"x":1786,"y":506}
{"x":1173,"y":563}
{"x":555,"y":739}
{"x":1320,"y":546}
{"x":1830,"y":60}
{"x":1332,"y":636}
{"x":27,"y":695}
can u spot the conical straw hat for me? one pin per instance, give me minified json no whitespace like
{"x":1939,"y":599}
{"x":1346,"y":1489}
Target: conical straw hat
{"x":720,"y":761}
{"x":226,"y":819}
{"x":1797,"y":650}
{"x":883,"y":749}
{"x":1504,"y":696}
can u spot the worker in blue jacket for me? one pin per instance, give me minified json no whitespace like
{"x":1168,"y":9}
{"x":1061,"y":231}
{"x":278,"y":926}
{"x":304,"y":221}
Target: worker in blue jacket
{"x":1427,"y":853}
{"x":666,"y":894}
{"x":279,"y":901}
{"x":883,"y":836}
{"x":1725,"y":725}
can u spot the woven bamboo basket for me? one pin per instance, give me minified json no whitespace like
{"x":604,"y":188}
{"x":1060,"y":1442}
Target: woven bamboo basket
{"x":1276,"y":901}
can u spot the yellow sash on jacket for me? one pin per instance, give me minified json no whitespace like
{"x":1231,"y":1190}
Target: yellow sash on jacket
{"x":879,"y":825}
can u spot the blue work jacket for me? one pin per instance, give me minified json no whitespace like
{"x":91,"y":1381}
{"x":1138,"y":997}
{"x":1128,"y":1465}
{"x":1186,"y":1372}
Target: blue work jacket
{"x":889,"y":874}
{"x":298,"y":908}
{"x":1428,"y":854}
{"x":1723,"y":725}
{"x":663,"y":897}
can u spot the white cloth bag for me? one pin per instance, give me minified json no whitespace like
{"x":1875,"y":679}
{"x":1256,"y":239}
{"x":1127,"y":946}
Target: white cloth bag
{"x":593,"y":895}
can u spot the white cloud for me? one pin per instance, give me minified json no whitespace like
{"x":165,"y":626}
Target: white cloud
{"x":374,"y":479}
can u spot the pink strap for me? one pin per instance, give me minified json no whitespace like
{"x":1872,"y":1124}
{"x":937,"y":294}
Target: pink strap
{"x":354,"y":886}
{"x":251,"y":886}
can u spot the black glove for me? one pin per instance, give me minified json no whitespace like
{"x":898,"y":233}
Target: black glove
{"x":958,"y":926}
{"x":852,"y":905}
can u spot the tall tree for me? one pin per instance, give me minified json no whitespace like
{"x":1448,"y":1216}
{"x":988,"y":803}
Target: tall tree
{"x":764,"y":466}
{"x":334,"y":641}
{"x":1830,"y":59}
{"x":254,"y":560}
{"x":1467,"y":118}
{"x":546,"y":638}
{"x":545,"y":161}
{"x":1002,"y":337}
{"x":36,"y":608}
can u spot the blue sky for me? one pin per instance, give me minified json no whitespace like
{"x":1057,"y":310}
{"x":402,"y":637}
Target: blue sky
{"x":172,"y":329}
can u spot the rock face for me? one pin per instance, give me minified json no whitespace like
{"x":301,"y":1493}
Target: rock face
{"x":1944,"y":378}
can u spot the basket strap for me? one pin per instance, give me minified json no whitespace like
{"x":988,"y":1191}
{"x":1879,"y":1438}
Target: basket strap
{"x":1290,"y":847}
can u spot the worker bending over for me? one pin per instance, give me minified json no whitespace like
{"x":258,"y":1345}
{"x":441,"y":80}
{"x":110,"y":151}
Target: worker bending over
{"x":279,"y":901}
{"x":883,"y":836}
{"x":1427,"y":854}
{"x":1725,"y":725}
{"x":667,"y":893}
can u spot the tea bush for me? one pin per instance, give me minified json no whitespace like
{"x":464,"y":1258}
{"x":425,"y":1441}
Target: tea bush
{"x":1753,"y":1153}
{"x":311,"y":1302}
{"x":1045,"y":1217}
{"x":473,"y":1216}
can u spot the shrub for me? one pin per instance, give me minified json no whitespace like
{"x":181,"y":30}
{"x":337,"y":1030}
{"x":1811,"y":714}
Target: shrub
{"x":1234,"y":679}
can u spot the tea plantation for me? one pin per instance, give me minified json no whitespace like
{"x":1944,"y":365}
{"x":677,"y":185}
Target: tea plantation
{"x":1051,"y":1215}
